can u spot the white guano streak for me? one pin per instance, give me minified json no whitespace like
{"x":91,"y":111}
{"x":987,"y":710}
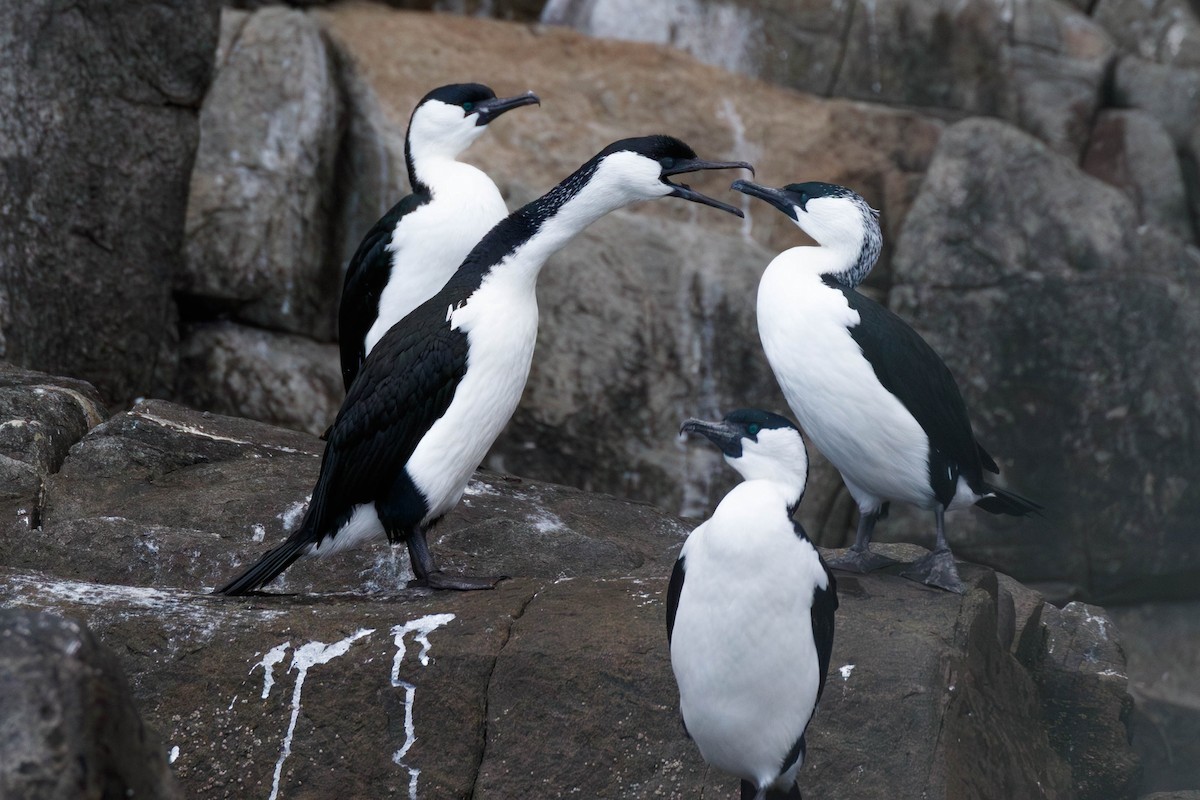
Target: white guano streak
{"x":422,"y":628}
{"x":305,"y":657}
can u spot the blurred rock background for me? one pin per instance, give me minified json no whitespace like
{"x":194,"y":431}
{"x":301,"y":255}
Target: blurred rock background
{"x":178,"y":226}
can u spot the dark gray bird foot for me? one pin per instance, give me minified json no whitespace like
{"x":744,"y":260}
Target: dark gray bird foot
{"x":937,"y":569}
{"x":462,"y":583}
{"x":862,"y":561}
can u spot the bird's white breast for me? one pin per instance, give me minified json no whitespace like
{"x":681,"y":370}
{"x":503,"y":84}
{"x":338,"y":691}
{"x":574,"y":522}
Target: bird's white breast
{"x":742,"y":648}
{"x":429,"y":243}
{"x":500,"y":321}
{"x":863,"y":429}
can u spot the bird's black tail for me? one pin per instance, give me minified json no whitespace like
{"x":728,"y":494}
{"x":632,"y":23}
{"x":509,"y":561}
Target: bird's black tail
{"x":1002,"y":501}
{"x":276,"y":560}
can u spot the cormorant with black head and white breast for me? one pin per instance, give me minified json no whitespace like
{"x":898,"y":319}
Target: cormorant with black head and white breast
{"x":867,"y":389}
{"x":750,"y":610}
{"x":442,"y":383}
{"x":412,"y":251}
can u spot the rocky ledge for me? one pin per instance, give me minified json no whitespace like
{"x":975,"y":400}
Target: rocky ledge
{"x":558,"y":683}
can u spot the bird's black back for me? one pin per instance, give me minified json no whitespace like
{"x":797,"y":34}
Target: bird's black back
{"x":366,"y":278}
{"x":405,"y":385}
{"x":910,"y":369}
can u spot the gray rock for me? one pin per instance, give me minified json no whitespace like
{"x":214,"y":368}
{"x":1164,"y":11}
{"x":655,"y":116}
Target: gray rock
{"x":166,"y":496}
{"x":1080,"y":674}
{"x":40,"y":418}
{"x":1170,"y":94}
{"x":260,"y":216}
{"x":1065,"y":326}
{"x":781,"y":41}
{"x":99,"y":133}
{"x":292,"y":684}
{"x":1038,"y":64}
{"x":1159,"y":640}
{"x":1166,"y":31}
{"x":70,"y":728}
{"x":1130,"y":150}
{"x":280,"y":378}
{"x":274,"y":689}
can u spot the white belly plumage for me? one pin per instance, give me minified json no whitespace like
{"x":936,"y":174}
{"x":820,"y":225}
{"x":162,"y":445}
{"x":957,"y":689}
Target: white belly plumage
{"x":742,"y":648}
{"x":501,"y":327}
{"x":864,"y":431}
{"x":501,"y":347}
{"x":431,"y":242}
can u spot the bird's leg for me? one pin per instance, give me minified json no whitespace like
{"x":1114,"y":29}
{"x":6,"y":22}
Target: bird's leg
{"x":428,"y":575}
{"x":938,"y":568}
{"x":858,"y":557}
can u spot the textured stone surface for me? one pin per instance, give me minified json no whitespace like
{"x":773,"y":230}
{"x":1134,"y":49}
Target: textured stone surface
{"x":96,"y":147}
{"x":1170,"y":94}
{"x":1166,"y":31}
{"x":1065,"y":325}
{"x":556,"y":684}
{"x":167,"y":496}
{"x":1130,"y":150}
{"x":1159,"y":641}
{"x":1038,"y":64}
{"x":280,"y":378}
{"x":260,"y":215}
{"x":70,"y":728}
{"x":41,"y":416}
{"x":1080,"y":665}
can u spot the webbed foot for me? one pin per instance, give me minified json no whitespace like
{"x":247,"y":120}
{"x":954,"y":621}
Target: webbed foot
{"x":854,"y":560}
{"x":937,"y":569}
{"x":440,"y":580}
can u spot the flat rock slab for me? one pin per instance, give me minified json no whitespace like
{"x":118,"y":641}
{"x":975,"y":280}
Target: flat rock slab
{"x":320,"y":695}
{"x":167,"y":496}
{"x":547,"y":689}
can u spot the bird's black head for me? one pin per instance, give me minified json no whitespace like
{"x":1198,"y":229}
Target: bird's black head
{"x":794,"y":198}
{"x":833,"y":216}
{"x":672,"y":157}
{"x":761,"y":446}
{"x":737,"y":428}
{"x":478,"y":100}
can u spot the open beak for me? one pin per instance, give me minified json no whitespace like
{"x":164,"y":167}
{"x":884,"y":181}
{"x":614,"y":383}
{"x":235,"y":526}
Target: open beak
{"x":688,"y":193}
{"x":488,"y":110}
{"x":775,"y":197}
{"x":727,"y":438}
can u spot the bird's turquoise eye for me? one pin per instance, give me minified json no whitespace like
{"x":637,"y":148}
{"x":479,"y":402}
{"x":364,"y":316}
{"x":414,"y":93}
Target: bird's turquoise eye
{"x":667,"y":163}
{"x":753,"y":429}
{"x":468,"y":106}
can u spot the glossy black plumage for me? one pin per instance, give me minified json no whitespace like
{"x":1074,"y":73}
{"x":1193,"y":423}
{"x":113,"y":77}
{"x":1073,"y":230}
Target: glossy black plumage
{"x":909,"y":369}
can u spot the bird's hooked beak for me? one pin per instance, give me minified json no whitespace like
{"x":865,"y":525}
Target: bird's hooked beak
{"x":726,"y":437}
{"x":776,"y":197}
{"x":488,"y":110}
{"x":684,"y":165}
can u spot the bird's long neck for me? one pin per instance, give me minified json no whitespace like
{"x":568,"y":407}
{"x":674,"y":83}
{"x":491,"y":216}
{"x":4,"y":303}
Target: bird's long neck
{"x":519,"y":245}
{"x":847,"y":251}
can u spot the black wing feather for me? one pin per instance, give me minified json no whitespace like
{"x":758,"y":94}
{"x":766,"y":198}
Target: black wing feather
{"x":825,"y":603}
{"x":674,"y":589}
{"x":405,"y":385}
{"x":910,"y":369}
{"x":365,"y":278}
